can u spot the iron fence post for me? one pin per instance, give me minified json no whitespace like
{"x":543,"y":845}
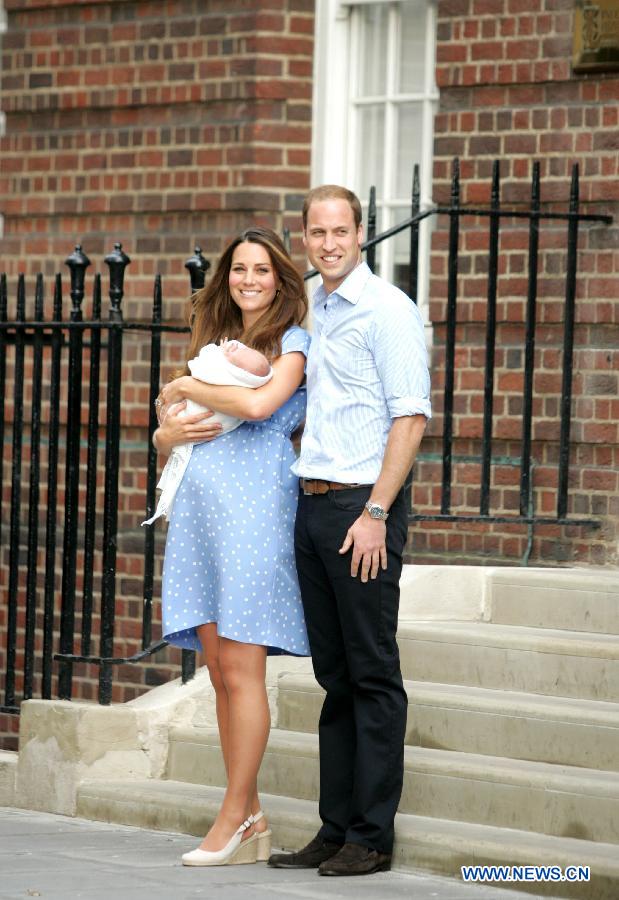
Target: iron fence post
{"x":529,"y":346}
{"x":151,"y":464}
{"x":117,"y":261}
{"x":78,"y":262}
{"x":91,"y":469}
{"x":568,"y":346}
{"x":493,"y":264}
{"x":52,"y":495}
{"x":33,"y":498}
{"x":370,"y":255}
{"x":16,"y":475}
{"x":450,"y":337}
{"x":413,"y":266}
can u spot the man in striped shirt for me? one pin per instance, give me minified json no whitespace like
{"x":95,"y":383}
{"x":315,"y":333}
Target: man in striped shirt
{"x":368,"y":402}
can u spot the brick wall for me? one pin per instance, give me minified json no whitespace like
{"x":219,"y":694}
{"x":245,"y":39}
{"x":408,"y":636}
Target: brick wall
{"x":507,"y":91}
{"x":156,"y":128}
{"x":161,"y":126}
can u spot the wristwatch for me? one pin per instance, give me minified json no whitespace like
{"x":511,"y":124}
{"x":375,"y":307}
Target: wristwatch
{"x":376,"y":511}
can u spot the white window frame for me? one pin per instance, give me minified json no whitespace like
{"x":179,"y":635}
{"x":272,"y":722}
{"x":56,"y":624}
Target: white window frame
{"x":335,"y":108}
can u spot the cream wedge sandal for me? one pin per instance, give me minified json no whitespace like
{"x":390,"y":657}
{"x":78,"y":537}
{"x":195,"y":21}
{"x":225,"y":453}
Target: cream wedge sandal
{"x":236,"y":852}
{"x":264,"y":839}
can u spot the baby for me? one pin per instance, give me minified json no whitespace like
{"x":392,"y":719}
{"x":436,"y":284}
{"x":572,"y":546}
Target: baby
{"x":230,"y":363}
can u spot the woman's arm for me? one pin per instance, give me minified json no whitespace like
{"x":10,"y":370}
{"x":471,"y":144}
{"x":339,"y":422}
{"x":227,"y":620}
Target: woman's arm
{"x":251,"y":404}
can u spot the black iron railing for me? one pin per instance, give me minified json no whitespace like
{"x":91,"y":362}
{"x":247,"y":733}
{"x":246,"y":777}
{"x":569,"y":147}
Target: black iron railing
{"x":70,"y":337}
{"x":91,"y":351}
{"x":495,"y":213}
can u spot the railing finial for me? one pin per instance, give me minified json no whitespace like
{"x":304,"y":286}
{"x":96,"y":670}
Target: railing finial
{"x":286,"y":238}
{"x":77,"y":262}
{"x":198,"y":266}
{"x":117,"y":261}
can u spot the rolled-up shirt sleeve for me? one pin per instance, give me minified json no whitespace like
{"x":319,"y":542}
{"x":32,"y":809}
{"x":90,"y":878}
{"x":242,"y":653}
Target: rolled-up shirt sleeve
{"x":399,"y":347}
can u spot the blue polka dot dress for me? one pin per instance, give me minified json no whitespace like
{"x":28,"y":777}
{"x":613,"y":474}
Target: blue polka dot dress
{"x":229,"y":554}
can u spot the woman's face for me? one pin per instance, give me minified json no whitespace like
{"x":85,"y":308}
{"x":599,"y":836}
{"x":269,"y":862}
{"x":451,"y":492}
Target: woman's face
{"x":252,"y":280}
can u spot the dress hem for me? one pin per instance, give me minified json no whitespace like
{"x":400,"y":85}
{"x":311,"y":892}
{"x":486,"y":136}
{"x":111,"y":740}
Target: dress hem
{"x":272,"y":649}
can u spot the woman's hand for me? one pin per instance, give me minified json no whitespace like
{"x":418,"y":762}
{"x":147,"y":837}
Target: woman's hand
{"x":178,"y":429}
{"x":176,"y":390}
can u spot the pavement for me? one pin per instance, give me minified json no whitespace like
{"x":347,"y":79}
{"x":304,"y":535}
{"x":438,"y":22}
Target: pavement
{"x":60,"y":858}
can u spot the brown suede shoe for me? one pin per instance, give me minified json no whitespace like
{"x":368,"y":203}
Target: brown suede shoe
{"x":310,"y":857}
{"x":355,"y":859}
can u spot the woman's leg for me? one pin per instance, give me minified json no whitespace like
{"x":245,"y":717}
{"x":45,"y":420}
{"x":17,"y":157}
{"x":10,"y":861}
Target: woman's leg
{"x":209,"y":640}
{"x":245,"y":711}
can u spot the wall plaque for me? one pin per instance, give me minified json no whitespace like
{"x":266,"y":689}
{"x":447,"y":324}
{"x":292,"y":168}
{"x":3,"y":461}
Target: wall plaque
{"x":596,"y":36}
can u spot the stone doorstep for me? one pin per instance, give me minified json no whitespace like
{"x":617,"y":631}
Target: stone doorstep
{"x":549,"y":799}
{"x":517,"y":725}
{"x":474,"y":593}
{"x":513,"y":658}
{"x":586,"y":603}
{"x":429,"y":844}
{"x":514,"y":637}
{"x":595,"y":581}
{"x":8,"y":771}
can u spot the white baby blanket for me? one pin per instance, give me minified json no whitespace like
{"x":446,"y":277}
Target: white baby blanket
{"x":211,"y":366}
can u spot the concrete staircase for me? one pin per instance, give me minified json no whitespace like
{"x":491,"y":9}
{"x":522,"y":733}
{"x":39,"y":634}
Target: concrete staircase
{"x":512,"y":752}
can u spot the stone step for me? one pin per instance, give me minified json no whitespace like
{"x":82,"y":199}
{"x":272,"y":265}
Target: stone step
{"x":512,"y":658}
{"x":430,"y":844}
{"x":559,"y":730}
{"x":574,"y":600}
{"x":488,"y":790}
{"x":8,"y":770}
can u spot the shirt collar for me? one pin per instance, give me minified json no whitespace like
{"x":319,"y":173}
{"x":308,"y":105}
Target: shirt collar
{"x":352,"y":286}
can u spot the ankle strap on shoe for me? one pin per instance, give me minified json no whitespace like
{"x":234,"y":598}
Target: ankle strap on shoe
{"x":246,"y":824}
{"x":257,"y":816}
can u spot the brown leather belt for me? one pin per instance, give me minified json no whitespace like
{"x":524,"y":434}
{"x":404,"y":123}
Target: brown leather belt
{"x":318,"y":486}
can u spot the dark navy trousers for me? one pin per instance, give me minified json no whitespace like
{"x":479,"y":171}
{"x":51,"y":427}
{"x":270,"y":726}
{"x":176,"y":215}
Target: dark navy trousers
{"x":352,"y":634}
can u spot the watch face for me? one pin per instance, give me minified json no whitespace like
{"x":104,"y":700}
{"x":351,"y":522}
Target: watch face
{"x":375,"y":511}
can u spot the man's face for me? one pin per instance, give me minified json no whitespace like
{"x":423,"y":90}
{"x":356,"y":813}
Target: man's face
{"x":332,"y":240}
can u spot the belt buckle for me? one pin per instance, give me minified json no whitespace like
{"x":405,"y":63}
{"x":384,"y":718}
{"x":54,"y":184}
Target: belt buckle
{"x":306,"y":493}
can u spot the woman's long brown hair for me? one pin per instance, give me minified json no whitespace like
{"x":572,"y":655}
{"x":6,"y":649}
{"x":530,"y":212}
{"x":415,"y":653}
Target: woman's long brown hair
{"x":214,"y":314}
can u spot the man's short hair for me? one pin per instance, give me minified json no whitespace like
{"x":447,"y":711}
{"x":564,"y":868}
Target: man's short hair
{"x":332,"y":192}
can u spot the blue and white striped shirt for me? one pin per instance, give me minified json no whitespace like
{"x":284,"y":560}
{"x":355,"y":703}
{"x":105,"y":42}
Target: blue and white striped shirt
{"x":367,"y":365}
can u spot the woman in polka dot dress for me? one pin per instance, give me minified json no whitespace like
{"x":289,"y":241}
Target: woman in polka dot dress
{"x":229,"y":579}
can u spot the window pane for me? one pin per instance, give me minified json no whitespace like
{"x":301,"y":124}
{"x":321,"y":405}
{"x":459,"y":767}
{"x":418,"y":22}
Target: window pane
{"x":370,"y":149}
{"x":412,"y":33}
{"x":410,"y":120}
{"x":373,"y":50}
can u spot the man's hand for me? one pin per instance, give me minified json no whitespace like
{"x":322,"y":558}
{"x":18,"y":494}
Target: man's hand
{"x":367,"y":538}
